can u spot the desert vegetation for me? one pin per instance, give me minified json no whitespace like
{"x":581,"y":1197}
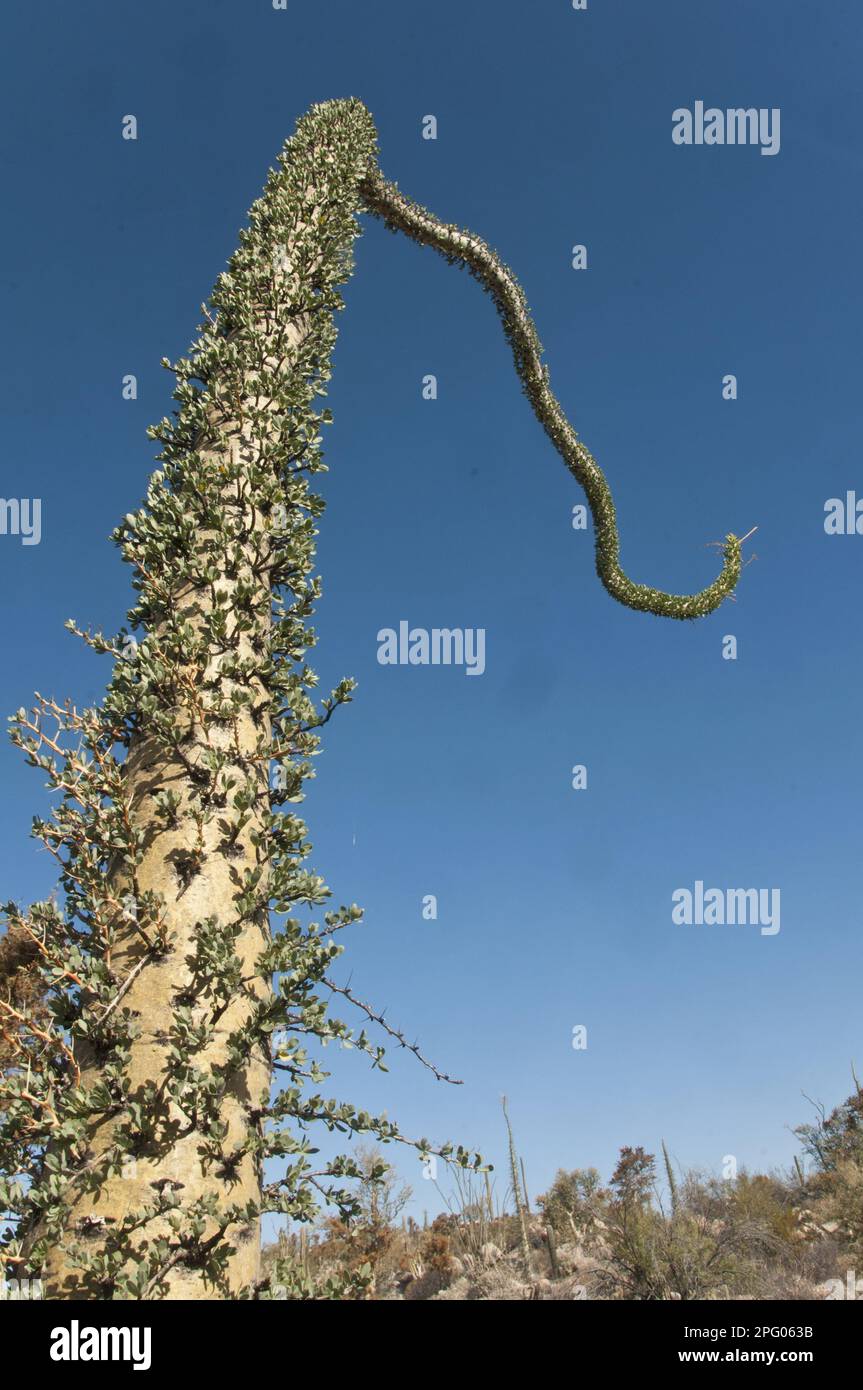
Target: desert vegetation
{"x":648,"y":1232}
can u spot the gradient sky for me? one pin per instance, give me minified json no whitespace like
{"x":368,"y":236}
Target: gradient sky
{"x":554,"y":128}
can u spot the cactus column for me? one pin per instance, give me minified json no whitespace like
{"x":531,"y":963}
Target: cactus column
{"x":172,"y":1055}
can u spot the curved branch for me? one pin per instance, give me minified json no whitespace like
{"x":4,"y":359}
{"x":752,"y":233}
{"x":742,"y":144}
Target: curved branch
{"x":401,"y":214}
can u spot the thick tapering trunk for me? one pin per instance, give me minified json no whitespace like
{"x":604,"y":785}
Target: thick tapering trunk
{"x":196,"y":867}
{"x":174,"y":1106}
{"x":195,"y":871}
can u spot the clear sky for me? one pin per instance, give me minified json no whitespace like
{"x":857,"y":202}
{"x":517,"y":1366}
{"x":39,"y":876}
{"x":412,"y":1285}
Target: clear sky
{"x":554,"y":905}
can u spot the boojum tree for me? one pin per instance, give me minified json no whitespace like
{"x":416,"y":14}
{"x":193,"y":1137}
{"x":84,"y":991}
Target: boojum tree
{"x":141,"y":1135}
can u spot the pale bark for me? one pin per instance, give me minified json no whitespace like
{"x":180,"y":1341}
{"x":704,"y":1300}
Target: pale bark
{"x":162,"y":982}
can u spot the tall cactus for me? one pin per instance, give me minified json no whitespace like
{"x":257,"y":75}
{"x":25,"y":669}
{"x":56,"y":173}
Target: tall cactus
{"x":518,"y":1194}
{"x":135,"y":1123}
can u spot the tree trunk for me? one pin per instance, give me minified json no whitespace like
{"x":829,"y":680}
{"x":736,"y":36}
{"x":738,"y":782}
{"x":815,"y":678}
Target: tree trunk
{"x":275,"y":309}
{"x":195,"y":871}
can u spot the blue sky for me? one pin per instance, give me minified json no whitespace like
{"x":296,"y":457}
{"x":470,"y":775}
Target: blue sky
{"x":554,"y":128}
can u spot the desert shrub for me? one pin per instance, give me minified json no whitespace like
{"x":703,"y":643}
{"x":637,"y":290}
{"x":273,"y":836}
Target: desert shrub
{"x":653,"y":1256}
{"x":436,"y":1252}
{"x":836,"y":1137}
{"x":839,"y":1205}
{"x":834,"y":1190}
{"x":714,"y":1243}
{"x":367,"y":1240}
{"x":573,"y":1203}
{"x":430,"y":1266}
{"x":763,"y":1200}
